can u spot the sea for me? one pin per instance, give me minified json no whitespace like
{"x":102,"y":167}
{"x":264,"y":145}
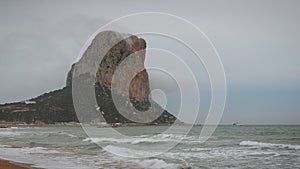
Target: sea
{"x":237,"y":147}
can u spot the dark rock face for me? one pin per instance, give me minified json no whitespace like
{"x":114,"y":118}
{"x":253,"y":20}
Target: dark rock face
{"x":57,"y":106}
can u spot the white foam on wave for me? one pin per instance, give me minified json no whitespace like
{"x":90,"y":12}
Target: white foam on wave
{"x":127,"y":152}
{"x":34,"y":155}
{"x":156,"y":164}
{"x":143,"y":139}
{"x":159,"y":138}
{"x":99,"y":140}
{"x":196,"y":149}
{"x":219,"y":153}
{"x":264,"y":154}
{"x":143,"y":163}
{"x":9,"y":133}
{"x":68,"y":134}
{"x":269,"y":145}
{"x":33,"y":150}
{"x":12,"y":132}
{"x":41,"y":157}
{"x":148,"y":140}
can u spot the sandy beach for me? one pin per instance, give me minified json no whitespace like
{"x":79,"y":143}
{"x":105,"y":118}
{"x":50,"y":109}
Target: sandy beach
{"x":4,"y":164}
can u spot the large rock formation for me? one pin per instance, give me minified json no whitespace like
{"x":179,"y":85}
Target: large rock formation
{"x":57,"y":106}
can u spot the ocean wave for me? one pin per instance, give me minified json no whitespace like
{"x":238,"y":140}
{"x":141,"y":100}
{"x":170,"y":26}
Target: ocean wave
{"x":196,"y":149}
{"x":144,"y":139}
{"x":269,"y":145}
{"x":39,"y":150}
{"x":126,"y":152}
{"x":128,"y":140}
{"x":162,"y":138}
{"x":39,"y":157}
{"x":115,"y":140}
{"x":142,"y":163}
{"x":156,"y":164}
{"x":4,"y":146}
{"x":67,"y":134}
{"x":9,"y":133}
{"x":28,"y":150}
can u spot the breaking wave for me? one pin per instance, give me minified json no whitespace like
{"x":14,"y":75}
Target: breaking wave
{"x":143,"y":163}
{"x":269,"y":145}
{"x":144,"y":139}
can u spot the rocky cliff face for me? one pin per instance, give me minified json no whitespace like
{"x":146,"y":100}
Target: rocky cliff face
{"x":139,"y":87}
{"x":57,"y":106}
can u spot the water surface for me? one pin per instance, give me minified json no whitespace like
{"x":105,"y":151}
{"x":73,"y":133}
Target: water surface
{"x":229,"y":147}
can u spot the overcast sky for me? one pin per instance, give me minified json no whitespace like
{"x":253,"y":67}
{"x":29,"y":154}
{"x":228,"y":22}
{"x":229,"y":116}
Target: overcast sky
{"x":258,"y":43}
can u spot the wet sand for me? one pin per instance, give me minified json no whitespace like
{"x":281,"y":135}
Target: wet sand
{"x":4,"y":164}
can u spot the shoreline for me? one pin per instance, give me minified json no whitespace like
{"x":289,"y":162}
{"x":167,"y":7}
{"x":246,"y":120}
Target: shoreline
{"x":8,"y":164}
{"x":73,"y":124}
{"x":18,"y":124}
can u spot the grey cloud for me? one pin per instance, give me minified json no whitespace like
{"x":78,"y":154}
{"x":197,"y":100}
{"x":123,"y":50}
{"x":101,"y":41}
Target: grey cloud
{"x":258,"y":42}
{"x":37,"y":58}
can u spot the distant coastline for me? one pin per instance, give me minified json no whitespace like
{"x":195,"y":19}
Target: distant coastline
{"x":4,"y":124}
